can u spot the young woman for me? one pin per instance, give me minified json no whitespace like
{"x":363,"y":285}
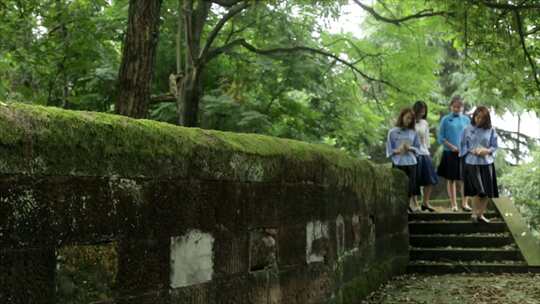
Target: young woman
{"x":478,"y":146}
{"x":450,"y":167}
{"x":402,"y":146}
{"x":426,"y":176}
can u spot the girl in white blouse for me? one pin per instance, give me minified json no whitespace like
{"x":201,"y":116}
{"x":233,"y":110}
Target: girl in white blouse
{"x":426,"y":175}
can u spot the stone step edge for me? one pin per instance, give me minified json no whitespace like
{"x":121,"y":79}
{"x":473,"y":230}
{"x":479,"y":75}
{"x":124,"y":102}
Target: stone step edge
{"x":463,"y":249}
{"x":455,"y":222}
{"x":461,"y":236}
{"x":444,"y":268}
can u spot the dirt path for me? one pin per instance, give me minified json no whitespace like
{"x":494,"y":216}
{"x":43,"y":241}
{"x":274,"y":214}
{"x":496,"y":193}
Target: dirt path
{"x":460,"y":289}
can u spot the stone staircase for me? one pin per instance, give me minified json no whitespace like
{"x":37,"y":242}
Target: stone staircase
{"x":449,"y":242}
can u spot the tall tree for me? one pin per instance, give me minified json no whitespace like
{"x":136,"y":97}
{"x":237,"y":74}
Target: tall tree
{"x":200,"y":50}
{"x":197,"y":52}
{"x":138,"y":57}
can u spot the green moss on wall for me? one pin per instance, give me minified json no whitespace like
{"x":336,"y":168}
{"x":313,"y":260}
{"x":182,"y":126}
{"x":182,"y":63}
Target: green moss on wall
{"x":47,"y":140}
{"x":378,"y":272}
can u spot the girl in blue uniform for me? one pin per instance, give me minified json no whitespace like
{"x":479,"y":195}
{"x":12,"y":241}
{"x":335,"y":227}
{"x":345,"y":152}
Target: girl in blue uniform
{"x":478,"y":146}
{"x":450,"y":167}
{"x":426,"y":176}
{"x":402,"y":146}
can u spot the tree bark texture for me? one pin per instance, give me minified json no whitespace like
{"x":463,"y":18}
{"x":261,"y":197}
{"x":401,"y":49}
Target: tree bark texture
{"x":195,"y":15}
{"x":138,"y":58}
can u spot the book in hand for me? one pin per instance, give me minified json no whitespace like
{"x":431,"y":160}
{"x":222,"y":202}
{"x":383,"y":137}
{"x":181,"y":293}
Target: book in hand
{"x":404,"y":145}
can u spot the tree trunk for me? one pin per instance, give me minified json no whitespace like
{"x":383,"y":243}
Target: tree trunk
{"x":189,"y":95}
{"x":194,"y":15}
{"x":138,"y":57}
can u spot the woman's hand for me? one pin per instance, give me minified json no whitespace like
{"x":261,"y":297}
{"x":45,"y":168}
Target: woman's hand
{"x":480,"y":152}
{"x":451,"y":146}
{"x":483,"y":152}
{"x":406,"y":147}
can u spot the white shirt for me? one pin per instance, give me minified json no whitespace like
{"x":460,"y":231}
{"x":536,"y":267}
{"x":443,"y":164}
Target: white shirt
{"x":422,"y":130}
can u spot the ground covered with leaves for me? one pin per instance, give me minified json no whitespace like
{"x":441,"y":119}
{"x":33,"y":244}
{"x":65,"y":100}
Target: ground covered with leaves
{"x":460,"y":288}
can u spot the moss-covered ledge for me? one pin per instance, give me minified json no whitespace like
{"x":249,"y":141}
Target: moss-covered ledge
{"x":50,"y":141}
{"x":280,"y":221}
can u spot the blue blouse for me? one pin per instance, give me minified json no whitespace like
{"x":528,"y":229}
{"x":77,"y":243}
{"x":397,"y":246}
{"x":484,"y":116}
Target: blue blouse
{"x":397,"y":137}
{"x":474,"y":137}
{"x":451,"y":127}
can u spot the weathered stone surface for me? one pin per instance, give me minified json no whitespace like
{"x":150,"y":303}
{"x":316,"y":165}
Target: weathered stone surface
{"x":86,"y":273}
{"x":27,"y":276}
{"x":262,"y":249}
{"x":196,"y":216}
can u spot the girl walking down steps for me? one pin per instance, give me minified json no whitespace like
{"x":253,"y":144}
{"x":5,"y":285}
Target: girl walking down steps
{"x":478,"y":147}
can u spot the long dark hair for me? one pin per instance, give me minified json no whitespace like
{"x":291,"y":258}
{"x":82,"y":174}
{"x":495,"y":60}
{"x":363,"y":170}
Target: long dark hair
{"x":400,"y":122}
{"x":486,"y":124}
{"x":417,"y":107}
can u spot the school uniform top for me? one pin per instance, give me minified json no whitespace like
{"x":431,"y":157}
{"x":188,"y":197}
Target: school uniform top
{"x":474,"y":137}
{"x":422,"y":130}
{"x":397,"y":137}
{"x":451,"y":127}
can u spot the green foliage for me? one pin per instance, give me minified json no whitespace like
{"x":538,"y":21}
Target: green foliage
{"x":483,"y":35}
{"x":62,"y":53}
{"x":66,"y":53}
{"x":523,"y":184}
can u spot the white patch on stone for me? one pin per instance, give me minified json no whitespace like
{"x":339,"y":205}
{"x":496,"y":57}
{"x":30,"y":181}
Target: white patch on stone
{"x":340,"y":235}
{"x":247,"y":168}
{"x":315,"y":231}
{"x":191,"y":259}
{"x":355,"y":222}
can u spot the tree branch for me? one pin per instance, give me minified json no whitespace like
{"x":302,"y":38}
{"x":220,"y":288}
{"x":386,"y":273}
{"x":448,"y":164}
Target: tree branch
{"x":355,"y":47}
{"x":167,"y":97}
{"x":398,"y":21}
{"x":226,"y":3}
{"x":269,"y":52}
{"x":524,"y":47}
{"x":533,"y":31}
{"x":217,"y":28}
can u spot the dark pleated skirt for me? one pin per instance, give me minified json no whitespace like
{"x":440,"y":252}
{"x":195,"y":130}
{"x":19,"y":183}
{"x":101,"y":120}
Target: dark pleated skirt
{"x":480,"y":180}
{"x":425,"y":171}
{"x":450,"y":166}
{"x":413,"y":188}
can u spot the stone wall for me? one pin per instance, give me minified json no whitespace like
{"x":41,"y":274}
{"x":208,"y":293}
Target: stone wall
{"x":97,"y":208}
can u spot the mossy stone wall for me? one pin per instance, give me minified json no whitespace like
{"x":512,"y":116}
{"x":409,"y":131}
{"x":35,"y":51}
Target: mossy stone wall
{"x":289,"y":222}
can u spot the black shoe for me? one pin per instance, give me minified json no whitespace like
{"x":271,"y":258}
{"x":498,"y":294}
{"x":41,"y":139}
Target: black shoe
{"x":410,"y":210}
{"x":428,"y":208}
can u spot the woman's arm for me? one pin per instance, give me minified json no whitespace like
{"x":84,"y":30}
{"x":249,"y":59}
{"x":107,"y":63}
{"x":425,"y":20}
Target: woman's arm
{"x":441,"y":136}
{"x":493,"y":145}
{"x":415,"y":144}
{"x":464,"y":145}
{"x":390,"y":145}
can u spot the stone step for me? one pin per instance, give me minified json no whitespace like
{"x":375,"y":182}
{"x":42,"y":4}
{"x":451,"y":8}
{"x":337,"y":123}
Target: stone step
{"x":465,"y":254}
{"x":455,"y":227}
{"x":446,"y":216}
{"x":427,"y":267}
{"x":479,"y":240}
{"x":445,"y":203}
